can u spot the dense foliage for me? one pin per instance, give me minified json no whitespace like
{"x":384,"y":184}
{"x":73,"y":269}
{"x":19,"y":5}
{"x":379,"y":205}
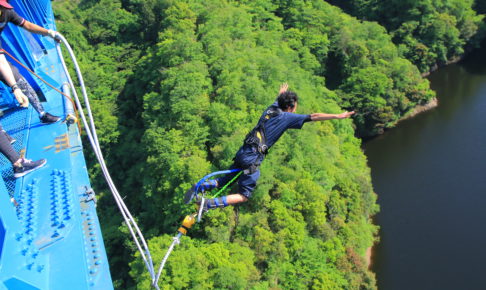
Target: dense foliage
{"x":176,"y":86}
{"x":428,"y":32}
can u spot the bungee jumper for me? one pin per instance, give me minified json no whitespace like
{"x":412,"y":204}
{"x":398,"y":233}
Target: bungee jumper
{"x":274,"y":121}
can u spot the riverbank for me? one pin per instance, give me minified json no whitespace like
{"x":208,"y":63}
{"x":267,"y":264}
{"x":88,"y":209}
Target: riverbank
{"x":368,"y":255}
{"x":436,"y":66}
{"x":433,"y":103}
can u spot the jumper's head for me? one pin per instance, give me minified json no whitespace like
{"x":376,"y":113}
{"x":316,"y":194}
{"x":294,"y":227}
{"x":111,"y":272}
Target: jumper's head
{"x":287,"y":101}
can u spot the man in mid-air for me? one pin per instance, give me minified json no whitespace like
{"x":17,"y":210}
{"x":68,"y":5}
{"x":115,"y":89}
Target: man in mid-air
{"x":274,"y":121}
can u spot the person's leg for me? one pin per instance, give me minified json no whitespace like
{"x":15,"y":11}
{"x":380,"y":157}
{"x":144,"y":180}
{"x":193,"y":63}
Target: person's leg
{"x":34,"y":99}
{"x":30,"y":93}
{"x":209,"y":184}
{"x":21,"y":166}
{"x":224,"y":201}
{"x":205,"y":186}
{"x":236,"y":198}
{"x":7,"y":150}
{"x":10,"y":138}
{"x":246,"y":186}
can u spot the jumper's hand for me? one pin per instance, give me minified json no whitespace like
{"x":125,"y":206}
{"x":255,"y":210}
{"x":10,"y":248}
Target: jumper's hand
{"x":345,"y":115}
{"x":21,"y":98}
{"x":283,"y":88}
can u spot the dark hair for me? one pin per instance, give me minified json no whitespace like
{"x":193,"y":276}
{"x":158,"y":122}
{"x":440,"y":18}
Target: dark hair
{"x":287,"y":100}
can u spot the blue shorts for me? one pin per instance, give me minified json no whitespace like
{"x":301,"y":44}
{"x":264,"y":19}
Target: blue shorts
{"x":245,"y":157}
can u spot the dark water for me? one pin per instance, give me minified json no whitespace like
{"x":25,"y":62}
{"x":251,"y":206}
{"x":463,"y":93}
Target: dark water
{"x":430,"y":176}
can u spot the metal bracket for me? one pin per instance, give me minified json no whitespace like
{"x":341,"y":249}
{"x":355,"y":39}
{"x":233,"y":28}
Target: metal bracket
{"x":90,"y":195}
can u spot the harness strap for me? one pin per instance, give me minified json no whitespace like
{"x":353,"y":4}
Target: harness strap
{"x":252,"y":169}
{"x":257,"y":136}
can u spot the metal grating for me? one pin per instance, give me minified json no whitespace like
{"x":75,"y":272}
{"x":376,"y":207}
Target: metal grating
{"x":15,"y":122}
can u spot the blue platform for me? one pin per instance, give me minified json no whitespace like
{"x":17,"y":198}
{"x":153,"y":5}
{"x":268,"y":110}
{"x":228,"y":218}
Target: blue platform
{"x":50,"y":238}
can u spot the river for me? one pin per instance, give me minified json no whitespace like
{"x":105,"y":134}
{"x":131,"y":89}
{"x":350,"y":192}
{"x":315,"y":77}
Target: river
{"x":430,"y":176}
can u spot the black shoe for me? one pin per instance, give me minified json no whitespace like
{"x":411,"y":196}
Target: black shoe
{"x":27,"y":166}
{"x":49,"y":119}
{"x":9,"y":138}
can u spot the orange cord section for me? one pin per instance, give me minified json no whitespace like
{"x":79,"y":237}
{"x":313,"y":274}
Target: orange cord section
{"x":57,"y":90}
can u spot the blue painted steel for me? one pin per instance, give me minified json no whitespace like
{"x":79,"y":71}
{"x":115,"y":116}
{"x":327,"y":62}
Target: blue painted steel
{"x":2,"y":236}
{"x":52,"y":238}
{"x":6,"y":97}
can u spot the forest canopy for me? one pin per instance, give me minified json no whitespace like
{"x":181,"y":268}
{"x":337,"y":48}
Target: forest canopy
{"x":429,"y":33}
{"x":178,"y":84}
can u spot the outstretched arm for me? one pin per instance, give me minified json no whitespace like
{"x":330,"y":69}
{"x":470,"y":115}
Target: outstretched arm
{"x":323,"y":117}
{"x":34,"y":28}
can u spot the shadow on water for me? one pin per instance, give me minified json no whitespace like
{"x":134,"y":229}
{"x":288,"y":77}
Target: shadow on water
{"x":428,"y":173}
{"x":475,"y":63}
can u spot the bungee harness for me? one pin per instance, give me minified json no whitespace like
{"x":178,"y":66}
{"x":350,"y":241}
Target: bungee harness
{"x":257,"y":136}
{"x":258,"y":140}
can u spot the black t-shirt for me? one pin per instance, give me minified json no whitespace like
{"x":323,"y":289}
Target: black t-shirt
{"x":9,"y":15}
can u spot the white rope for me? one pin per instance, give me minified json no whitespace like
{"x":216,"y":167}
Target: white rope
{"x":175,"y":241}
{"x":93,"y":138}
